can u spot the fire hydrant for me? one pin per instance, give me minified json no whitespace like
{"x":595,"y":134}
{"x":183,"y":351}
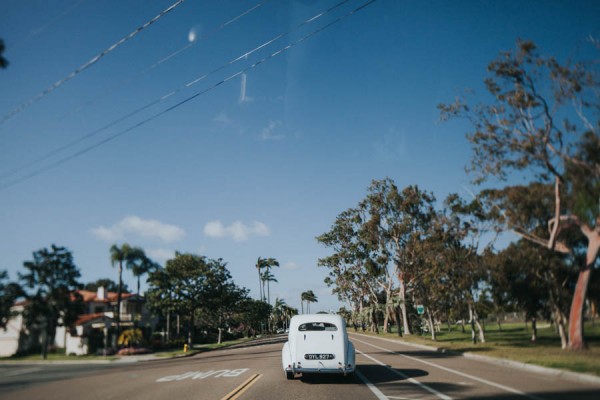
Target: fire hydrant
{"x":185,"y":348}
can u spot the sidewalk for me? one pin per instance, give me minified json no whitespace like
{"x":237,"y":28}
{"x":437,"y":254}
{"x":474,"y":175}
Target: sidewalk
{"x":159,"y":355}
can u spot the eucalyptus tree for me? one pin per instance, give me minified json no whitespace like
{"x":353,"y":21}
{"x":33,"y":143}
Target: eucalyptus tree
{"x":537,"y":281}
{"x":350,"y":274}
{"x":467,"y":224}
{"x":50,"y":284}
{"x":526,"y":209}
{"x":397,"y":218}
{"x":540,"y":122}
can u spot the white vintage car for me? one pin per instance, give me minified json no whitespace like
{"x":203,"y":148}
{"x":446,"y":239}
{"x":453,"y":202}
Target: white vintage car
{"x":318,"y":343}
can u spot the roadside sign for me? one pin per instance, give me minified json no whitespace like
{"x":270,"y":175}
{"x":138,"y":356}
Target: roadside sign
{"x":420,"y":309}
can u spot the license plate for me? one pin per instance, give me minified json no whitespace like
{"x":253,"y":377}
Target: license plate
{"x":319,"y":356}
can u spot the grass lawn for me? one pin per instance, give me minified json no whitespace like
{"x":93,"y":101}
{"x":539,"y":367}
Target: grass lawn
{"x":514,"y":342}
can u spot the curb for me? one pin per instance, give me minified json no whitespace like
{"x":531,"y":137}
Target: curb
{"x":559,"y":373}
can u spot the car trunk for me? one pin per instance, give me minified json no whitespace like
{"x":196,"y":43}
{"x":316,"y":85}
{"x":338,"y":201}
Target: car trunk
{"x":312,"y":347}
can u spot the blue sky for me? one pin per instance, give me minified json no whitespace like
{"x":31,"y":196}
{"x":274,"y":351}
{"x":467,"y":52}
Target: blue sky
{"x":262,"y":164}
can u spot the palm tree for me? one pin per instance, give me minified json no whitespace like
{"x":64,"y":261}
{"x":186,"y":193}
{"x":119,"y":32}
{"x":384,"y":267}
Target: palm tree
{"x":265,"y":263}
{"x":119,"y":255}
{"x":140,"y":265}
{"x":302,"y":299}
{"x":260,"y":264}
{"x":268,"y":277}
{"x":310,"y":297}
{"x":271,"y":262}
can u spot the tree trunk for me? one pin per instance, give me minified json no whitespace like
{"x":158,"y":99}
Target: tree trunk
{"x":475,"y":322}
{"x":431,"y":326}
{"x":119,"y":295}
{"x":374,"y":322}
{"x":386,"y":320}
{"x":191,"y":331}
{"x":576,"y":341}
{"x":472,"y":322}
{"x":398,"y":321}
{"x":402,"y":295}
{"x":480,"y":329}
{"x":168,"y":328}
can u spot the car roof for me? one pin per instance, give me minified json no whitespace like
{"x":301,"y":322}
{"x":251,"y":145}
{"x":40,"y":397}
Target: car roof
{"x":297,"y":320}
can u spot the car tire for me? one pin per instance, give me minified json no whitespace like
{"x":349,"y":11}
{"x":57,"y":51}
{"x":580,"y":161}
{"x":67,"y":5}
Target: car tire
{"x":289,"y":375}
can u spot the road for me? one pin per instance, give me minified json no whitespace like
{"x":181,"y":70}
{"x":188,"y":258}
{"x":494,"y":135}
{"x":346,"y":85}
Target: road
{"x":386,"y":370}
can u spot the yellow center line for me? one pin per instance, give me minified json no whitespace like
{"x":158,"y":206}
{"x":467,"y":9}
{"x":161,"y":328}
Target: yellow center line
{"x":238,"y":391}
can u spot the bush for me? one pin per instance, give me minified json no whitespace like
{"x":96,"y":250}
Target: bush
{"x":131,"y":337}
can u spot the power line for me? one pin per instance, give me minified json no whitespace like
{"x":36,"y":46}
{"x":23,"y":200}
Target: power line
{"x":164,"y":59}
{"x":179,"y":104}
{"x":166,"y":96}
{"x":86,"y":65}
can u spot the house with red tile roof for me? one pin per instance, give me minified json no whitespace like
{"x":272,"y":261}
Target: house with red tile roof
{"x":94,"y":330}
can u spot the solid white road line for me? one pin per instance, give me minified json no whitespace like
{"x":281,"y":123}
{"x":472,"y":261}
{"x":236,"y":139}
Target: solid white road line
{"x":373,"y":388}
{"x":411,"y":380}
{"x":469,"y":376}
{"x":21,"y":371}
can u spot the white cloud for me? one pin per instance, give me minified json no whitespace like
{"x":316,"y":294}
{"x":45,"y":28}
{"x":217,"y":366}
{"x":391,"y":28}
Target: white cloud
{"x":136,"y":226}
{"x":291,"y":266}
{"x":238,"y":231}
{"x":268,"y":133}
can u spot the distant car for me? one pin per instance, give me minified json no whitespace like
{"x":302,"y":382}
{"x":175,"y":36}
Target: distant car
{"x":318,"y":343}
{"x":280,"y":330}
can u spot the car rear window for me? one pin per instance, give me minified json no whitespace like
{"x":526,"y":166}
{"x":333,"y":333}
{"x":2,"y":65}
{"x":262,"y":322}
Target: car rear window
{"x":317,"y":326}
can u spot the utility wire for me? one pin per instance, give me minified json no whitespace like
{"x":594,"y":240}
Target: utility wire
{"x":208,"y":89}
{"x":203,"y":36}
{"x":86,"y":65}
{"x":166,"y":96}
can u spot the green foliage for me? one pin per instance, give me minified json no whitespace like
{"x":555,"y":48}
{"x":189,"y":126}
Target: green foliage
{"x":50,"y":283}
{"x":196,"y":287}
{"x":131,"y":337}
{"x":9,"y":293}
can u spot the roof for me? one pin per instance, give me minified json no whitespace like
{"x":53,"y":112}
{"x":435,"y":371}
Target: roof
{"x":301,"y":319}
{"x":90,"y":296}
{"x":83,"y":319}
